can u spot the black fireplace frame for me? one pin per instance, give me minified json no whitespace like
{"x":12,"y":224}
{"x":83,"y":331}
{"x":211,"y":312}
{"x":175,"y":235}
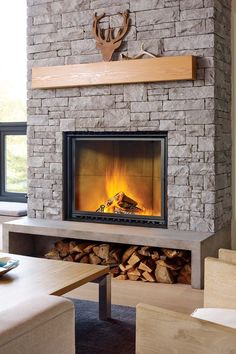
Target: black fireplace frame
{"x":69,"y":212}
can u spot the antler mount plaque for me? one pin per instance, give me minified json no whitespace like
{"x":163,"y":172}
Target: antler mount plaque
{"x":106,"y":40}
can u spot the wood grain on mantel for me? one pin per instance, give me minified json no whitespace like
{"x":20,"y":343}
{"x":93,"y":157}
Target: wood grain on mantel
{"x":115,"y":72}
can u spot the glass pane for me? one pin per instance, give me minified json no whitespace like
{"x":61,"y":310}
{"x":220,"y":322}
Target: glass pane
{"x":16,"y":164}
{"x":121,"y":177}
{"x":13,"y":61}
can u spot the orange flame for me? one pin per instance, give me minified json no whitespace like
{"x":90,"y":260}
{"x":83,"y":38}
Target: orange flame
{"x":117,"y":181}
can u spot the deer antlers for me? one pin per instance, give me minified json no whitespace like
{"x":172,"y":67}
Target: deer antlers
{"x":106,"y":40}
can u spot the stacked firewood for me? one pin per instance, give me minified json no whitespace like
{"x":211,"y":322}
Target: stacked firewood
{"x":134,"y":263}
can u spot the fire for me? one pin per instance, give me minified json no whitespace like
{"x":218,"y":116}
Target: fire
{"x":120,"y":193}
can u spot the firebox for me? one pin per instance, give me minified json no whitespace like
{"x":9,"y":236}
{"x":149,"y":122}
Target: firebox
{"x":116,"y":177}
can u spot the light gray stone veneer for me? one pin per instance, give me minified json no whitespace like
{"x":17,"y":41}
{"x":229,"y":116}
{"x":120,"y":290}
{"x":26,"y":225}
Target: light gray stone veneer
{"x":195,"y":114}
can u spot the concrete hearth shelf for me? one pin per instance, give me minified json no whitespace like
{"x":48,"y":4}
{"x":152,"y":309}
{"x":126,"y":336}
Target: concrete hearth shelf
{"x":24,"y":235}
{"x":115,"y":72}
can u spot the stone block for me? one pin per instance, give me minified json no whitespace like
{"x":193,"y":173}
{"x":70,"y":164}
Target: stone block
{"x":208,"y":197}
{"x":201,"y":224}
{"x":176,"y":137}
{"x":206,"y":144}
{"x":183,"y":105}
{"x":140,"y":5}
{"x":67,"y":125}
{"x":189,"y":42}
{"x":196,"y":181}
{"x":91,"y":102}
{"x":116,"y":118}
{"x":191,"y":93}
{"x":202,"y":168}
{"x":177,"y":216}
{"x":58,"y":102}
{"x":135,"y":92}
{"x":139,"y":116}
{"x":200,"y":117}
{"x":143,"y":107}
{"x":191,"y":27}
{"x":179,"y":151}
{"x":36,"y":204}
{"x":191,"y":4}
{"x":78,"y":18}
{"x":179,"y":191}
{"x":56,"y":168}
{"x":201,"y":13}
{"x":178,"y":170}
{"x":195,"y":130}
{"x":152,"y":17}
{"x":37,"y":120}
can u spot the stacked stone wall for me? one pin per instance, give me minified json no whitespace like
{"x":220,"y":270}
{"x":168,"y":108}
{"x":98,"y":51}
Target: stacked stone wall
{"x":196,"y":114}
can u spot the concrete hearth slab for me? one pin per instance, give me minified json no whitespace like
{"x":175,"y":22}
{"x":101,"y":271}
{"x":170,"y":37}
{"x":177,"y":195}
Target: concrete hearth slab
{"x":25,"y":235}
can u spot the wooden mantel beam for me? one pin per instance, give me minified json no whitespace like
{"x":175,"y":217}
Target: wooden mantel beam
{"x":115,"y":72}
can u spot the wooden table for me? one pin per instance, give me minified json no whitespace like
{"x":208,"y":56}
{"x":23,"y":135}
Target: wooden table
{"x":37,"y":276}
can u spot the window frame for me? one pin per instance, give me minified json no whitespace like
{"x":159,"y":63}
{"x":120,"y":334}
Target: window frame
{"x":6,"y":129}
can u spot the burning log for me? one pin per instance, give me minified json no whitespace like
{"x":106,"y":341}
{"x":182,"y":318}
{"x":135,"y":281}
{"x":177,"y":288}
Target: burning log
{"x":120,"y":203}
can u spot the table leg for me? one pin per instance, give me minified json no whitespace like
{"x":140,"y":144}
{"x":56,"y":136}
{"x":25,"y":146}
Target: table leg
{"x":105,"y":297}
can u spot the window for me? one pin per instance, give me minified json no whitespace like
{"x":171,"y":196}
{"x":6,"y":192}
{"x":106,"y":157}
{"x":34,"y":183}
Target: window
{"x":13,"y":147}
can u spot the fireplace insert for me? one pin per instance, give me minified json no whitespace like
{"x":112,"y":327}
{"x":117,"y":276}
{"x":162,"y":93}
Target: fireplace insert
{"x":116,"y":177}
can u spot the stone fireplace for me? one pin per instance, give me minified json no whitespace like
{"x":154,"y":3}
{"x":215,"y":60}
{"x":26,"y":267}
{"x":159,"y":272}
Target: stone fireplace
{"x":191,"y":175}
{"x":195,"y":114}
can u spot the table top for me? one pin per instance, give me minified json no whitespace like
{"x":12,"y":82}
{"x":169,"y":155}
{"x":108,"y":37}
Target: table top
{"x":38,"y":276}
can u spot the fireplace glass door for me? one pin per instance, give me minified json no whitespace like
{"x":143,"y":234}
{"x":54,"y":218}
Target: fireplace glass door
{"x":118,"y":178}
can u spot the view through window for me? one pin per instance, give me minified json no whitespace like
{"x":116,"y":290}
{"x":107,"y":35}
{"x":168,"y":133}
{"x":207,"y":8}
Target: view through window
{"x":13,"y":154}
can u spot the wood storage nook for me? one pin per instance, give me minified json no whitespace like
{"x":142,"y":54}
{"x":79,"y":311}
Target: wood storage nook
{"x":134,"y":263}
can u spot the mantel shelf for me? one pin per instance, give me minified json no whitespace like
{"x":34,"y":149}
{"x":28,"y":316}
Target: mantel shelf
{"x":115,"y":72}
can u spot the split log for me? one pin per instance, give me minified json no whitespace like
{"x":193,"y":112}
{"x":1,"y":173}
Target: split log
{"x":102,"y":250}
{"x":135,"y":258}
{"x":62,"y":247}
{"x":169,"y":253}
{"x":147,"y":265}
{"x":116,"y":254}
{"x":121,"y":277}
{"x":128,"y":253}
{"x":53,"y":254}
{"x":134,"y":274}
{"x":125,"y":267}
{"x":72,"y":245}
{"x":109,"y":261}
{"x":89,"y":248}
{"x":169,"y":263}
{"x":135,"y":262}
{"x":149,"y":277}
{"x":155,"y":255}
{"x":68,"y":258}
{"x":185,"y":275}
{"x":93,"y":259}
{"x":84,"y":259}
{"x":163,"y":275}
{"x":80,"y":247}
{"x":145,"y":251}
{"x":78,"y":256}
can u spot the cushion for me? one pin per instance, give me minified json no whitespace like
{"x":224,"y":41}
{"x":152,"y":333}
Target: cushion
{"x":225,"y":317}
{"x":13,"y":209}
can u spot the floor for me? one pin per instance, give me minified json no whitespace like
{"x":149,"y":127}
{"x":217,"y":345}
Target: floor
{"x":175,"y":297}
